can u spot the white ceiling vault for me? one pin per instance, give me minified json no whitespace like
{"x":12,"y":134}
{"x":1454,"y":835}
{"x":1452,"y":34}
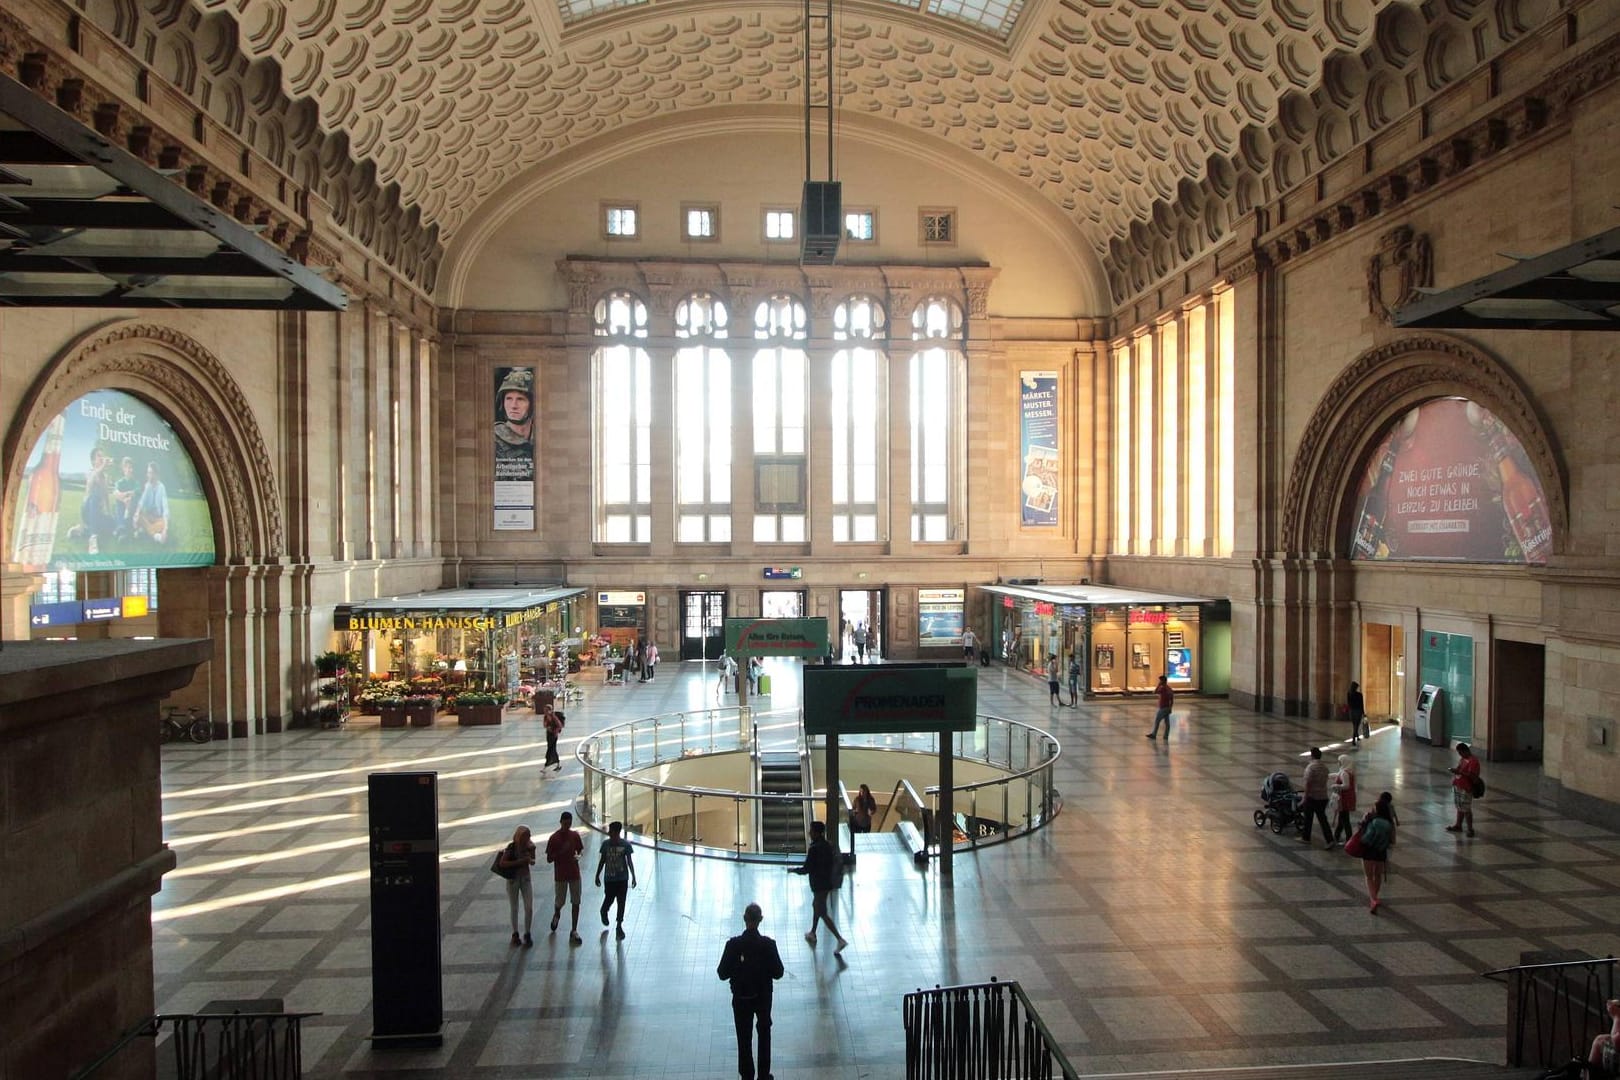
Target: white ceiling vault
{"x":1146,"y":121}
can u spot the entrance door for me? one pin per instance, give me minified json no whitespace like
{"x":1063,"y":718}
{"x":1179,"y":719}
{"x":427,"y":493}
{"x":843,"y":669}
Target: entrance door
{"x":1516,"y":701}
{"x":781,"y":605}
{"x":1383,"y":670}
{"x":703,"y":625}
{"x":859,"y":607}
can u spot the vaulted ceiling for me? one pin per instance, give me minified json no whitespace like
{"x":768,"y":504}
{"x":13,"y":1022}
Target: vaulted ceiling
{"x":1135,"y":117}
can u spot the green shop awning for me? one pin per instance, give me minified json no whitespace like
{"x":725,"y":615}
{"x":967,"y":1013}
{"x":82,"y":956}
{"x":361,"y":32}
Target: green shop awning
{"x":453,"y":609}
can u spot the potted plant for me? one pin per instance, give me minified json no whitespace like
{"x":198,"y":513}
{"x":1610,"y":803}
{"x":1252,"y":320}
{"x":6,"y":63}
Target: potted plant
{"x":475,"y":708}
{"x":391,"y":709}
{"x":330,"y":714}
{"x":329,"y":665}
{"x":420,"y":709}
{"x":377,"y":691}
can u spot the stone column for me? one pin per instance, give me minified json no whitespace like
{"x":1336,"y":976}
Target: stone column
{"x":81,"y":848}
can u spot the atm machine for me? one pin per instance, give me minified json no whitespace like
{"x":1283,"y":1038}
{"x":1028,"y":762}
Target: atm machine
{"x":1429,"y":723}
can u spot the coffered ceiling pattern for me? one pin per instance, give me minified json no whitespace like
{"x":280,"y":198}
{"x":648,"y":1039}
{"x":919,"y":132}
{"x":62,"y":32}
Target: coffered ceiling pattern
{"x":1115,"y":110}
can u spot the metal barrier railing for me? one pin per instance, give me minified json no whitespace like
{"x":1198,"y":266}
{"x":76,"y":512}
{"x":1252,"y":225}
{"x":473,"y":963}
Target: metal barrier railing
{"x":222,"y":1046}
{"x":618,"y":785}
{"x":1555,"y":1009}
{"x":984,"y":1031}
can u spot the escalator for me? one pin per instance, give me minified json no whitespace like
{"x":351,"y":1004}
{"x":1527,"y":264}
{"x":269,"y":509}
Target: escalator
{"x":781,"y":824}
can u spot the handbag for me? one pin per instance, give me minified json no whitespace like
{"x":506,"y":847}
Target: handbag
{"x":1354,"y":847}
{"x":1477,"y":788}
{"x":507,"y":872}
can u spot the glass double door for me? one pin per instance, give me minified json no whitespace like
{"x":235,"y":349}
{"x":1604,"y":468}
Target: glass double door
{"x":703,"y":625}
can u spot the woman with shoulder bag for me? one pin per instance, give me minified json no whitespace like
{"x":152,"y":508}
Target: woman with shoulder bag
{"x":1371,"y":845}
{"x":513,"y":865}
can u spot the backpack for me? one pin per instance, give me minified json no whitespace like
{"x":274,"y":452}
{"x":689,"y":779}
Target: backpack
{"x":749,"y":979}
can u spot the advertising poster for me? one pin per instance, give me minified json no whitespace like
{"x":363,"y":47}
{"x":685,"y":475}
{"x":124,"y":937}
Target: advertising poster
{"x":1178,"y":664}
{"x":939,"y":617}
{"x":514,"y":448}
{"x":1450,"y":482}
{"x":109,"y":486}
{"x":1038,"y":430}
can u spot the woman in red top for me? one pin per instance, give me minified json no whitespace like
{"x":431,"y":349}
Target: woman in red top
{"x":1463,"y":775}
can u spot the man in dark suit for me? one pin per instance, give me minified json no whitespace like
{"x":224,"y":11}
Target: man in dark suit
{"x":751,"y":963}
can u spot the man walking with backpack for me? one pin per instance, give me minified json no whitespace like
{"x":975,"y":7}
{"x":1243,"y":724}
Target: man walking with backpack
{"x":751,"y":964}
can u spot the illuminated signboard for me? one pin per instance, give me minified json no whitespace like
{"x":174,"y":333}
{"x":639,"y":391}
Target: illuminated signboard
{"x":622,"y":599}
{"x":783,"y":573}
{"x":109,"y":486}
{"x":939,"y":617}
{"x":1451,"y":482}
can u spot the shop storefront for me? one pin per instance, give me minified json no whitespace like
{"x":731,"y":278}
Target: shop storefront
{"x":1124,"y":638}
{"x":621,"y":618}
{"x":494,"y":638}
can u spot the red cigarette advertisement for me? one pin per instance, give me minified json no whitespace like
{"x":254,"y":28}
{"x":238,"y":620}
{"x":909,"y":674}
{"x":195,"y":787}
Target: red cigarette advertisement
{"x":1450,"y":482}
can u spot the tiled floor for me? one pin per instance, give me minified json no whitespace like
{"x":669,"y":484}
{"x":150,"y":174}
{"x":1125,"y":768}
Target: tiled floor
{"x":1155,"y":926}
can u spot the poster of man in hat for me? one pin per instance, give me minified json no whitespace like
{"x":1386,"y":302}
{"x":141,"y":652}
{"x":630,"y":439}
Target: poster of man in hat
{"x":514,"y":448}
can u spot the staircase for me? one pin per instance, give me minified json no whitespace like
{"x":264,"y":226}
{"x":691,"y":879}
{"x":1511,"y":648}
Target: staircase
{"x":781,"y":826}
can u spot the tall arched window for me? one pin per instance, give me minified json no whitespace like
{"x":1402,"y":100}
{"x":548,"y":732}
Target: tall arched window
{"x":623,"y":394}
{"x":936,"y":418}
{"x":857,"y":420}
{"x":703,"y":422}
{"x":779,"y":421}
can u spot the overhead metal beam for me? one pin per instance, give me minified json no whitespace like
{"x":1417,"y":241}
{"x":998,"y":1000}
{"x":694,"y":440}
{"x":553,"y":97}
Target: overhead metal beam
{"x":83,"y":145}
{"x":105,"y":213}
{"x":1542,"y":277}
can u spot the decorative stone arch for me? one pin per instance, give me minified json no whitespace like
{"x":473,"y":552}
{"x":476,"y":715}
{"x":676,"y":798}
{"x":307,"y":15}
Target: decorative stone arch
{"x":192,"y":390}
{"x":1376,"y":388}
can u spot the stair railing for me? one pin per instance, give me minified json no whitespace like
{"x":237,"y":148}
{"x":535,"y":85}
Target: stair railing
{"x":222,"y":1046}
{"x":1555,"y":1009}
{"x":982,"y":1031}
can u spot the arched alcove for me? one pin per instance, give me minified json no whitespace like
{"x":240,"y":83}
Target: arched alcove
{"x":1368,"y":395}
{"x":192,"y":390}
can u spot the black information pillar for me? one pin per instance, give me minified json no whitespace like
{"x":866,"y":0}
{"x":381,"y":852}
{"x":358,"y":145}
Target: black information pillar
{"x":407,"y":988}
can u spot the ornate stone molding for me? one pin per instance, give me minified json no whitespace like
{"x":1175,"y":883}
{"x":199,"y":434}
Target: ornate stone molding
{"x":190,"y":386}
{"x":1373,"y":390}
{"x":229,"y":156}
{"x":1402,"y":265}
{"x":1185,"y":228}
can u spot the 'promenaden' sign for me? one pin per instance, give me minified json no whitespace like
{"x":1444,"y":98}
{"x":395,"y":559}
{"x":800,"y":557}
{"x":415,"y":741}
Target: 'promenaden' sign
{"x":889,"y":699}
{"x":777,"y":637}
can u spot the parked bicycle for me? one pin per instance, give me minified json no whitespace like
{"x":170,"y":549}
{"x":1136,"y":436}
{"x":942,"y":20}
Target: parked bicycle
{"x":186,"y":723}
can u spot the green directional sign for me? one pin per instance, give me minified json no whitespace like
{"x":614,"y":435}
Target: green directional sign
{"x":777,"y":637}
{"x":889,"y":699}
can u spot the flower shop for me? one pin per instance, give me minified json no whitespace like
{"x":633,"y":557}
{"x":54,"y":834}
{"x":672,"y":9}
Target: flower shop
{"x":467,"y":650}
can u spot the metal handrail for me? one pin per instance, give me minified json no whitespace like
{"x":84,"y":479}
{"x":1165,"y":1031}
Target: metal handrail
{"x":975,"y":1030}
{"x":272,"y":1052}
{"x":1537,"y":967}
{"x":609,"y":757}
{"x":1565,"y":1011}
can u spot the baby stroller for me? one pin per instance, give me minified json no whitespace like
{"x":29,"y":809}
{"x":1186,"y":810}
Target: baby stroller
{"x":1284,"y":806}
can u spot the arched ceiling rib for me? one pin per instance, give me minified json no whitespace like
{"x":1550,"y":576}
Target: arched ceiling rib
{"x":1110,"y":109}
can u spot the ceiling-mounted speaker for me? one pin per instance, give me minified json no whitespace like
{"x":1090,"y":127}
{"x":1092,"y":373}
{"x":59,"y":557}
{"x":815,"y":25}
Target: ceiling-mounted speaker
{"x":822,"y":216}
